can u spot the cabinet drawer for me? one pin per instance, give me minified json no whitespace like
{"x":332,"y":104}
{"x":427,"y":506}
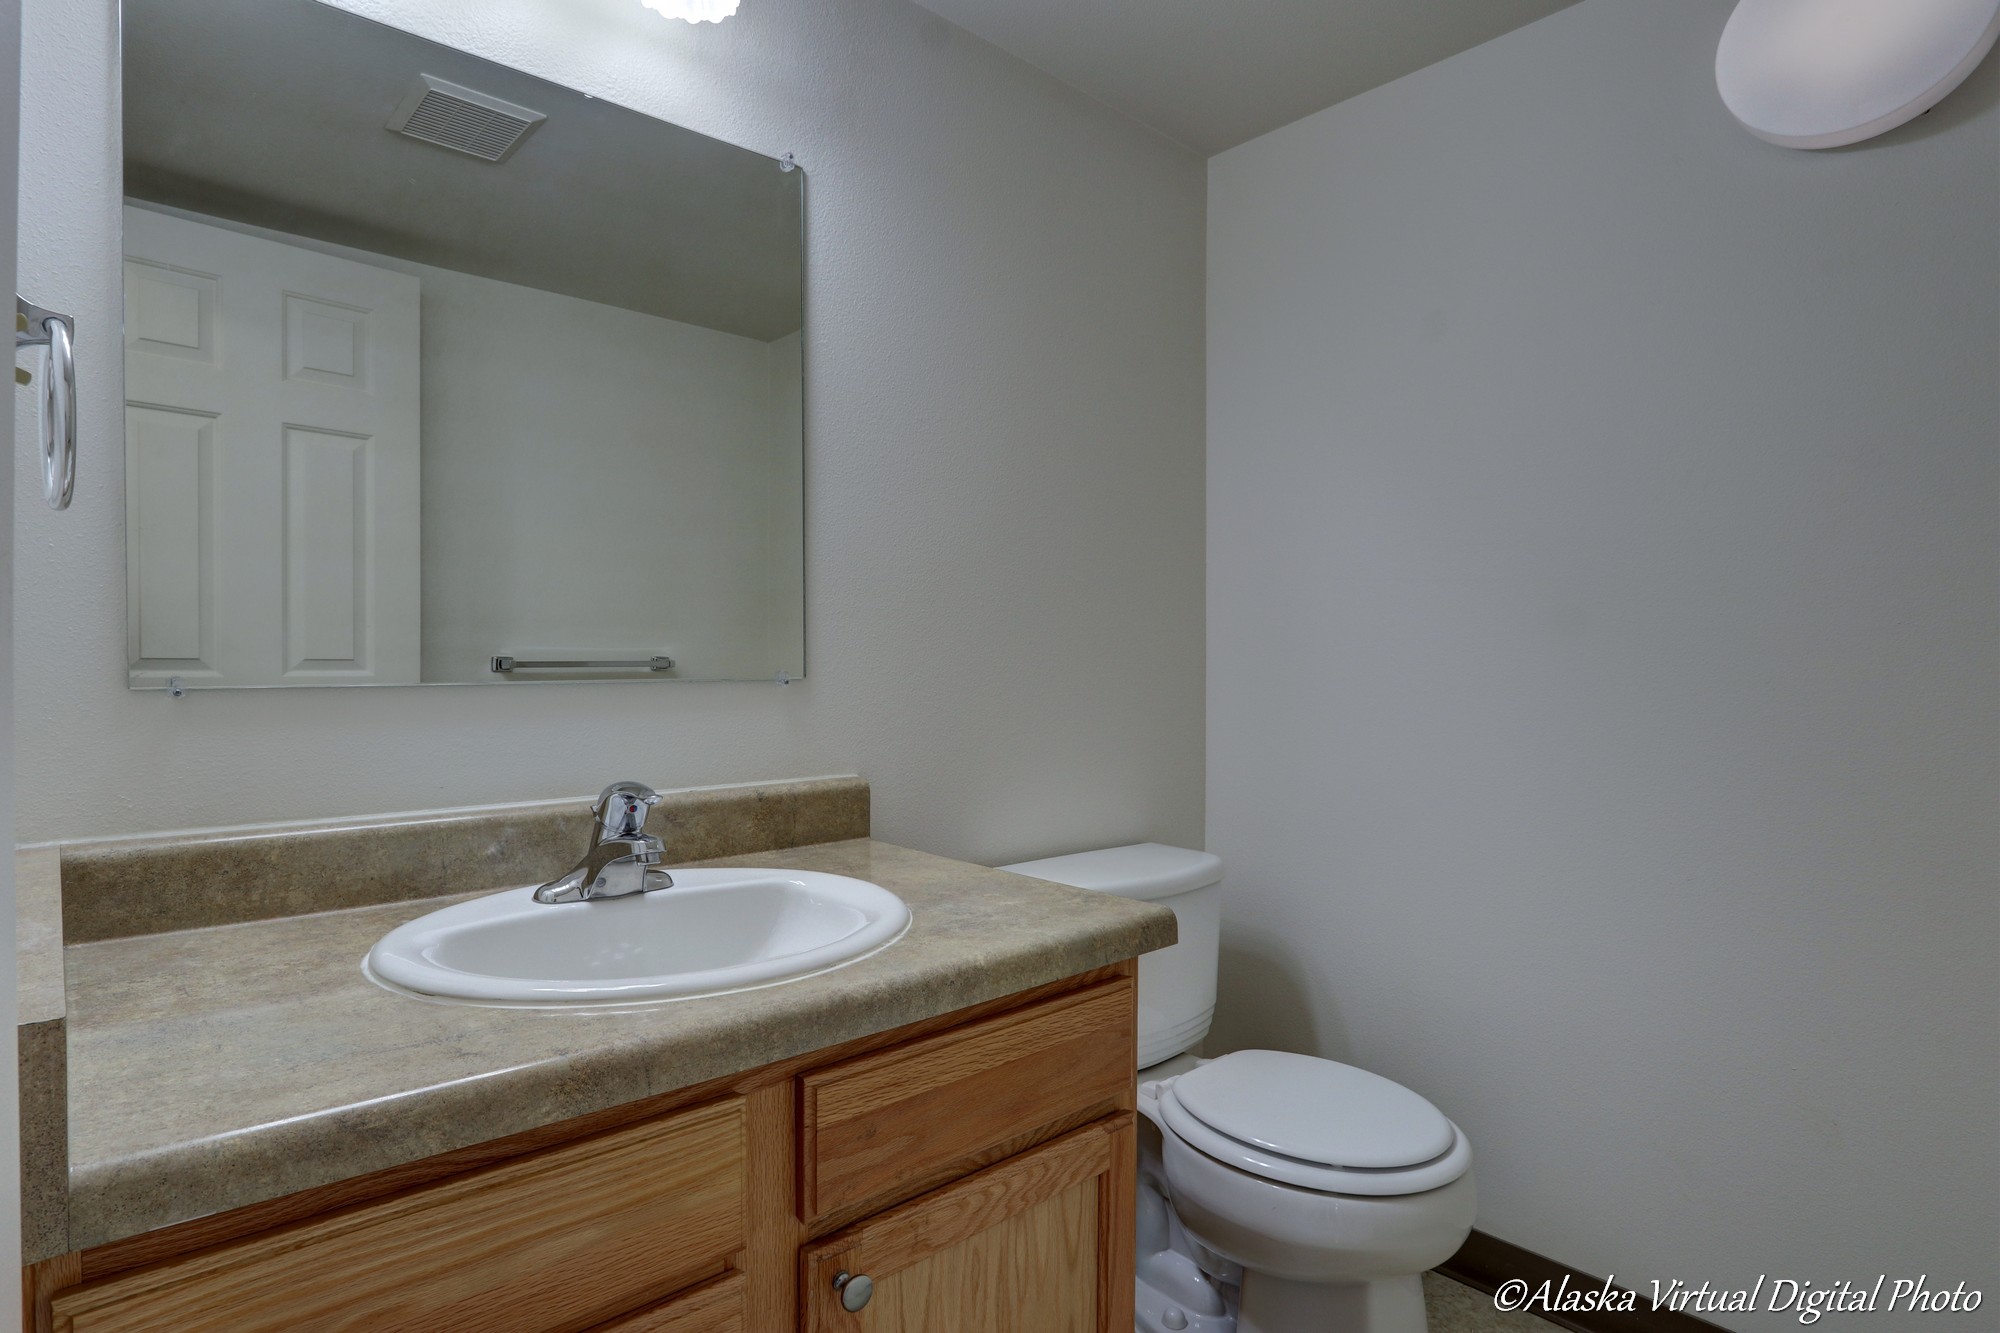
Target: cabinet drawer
{"x":551,"y":1243}
{"x":715,"y":1307}
{"x":886,"y":1125}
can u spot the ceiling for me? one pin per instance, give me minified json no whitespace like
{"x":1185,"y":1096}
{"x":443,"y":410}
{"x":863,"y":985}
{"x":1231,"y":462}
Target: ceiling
{"x":274,"y":113}
{"x":1211,"y":74}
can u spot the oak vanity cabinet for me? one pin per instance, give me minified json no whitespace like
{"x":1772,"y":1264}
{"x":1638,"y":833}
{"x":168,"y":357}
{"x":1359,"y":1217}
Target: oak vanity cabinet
{"x":970,"y":1173}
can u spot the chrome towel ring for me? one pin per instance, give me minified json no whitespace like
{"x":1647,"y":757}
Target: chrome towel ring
{"x":36,"y":327}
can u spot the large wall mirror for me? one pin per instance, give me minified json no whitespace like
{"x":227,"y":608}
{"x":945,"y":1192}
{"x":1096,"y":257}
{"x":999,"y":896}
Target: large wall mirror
{"x":439,"y":373}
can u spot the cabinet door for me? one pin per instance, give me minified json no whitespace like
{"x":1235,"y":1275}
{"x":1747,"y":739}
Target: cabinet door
{"x":1041,"y":1243}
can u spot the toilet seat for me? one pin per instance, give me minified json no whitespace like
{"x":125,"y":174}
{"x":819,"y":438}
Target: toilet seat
{"x":1314,"y":1124}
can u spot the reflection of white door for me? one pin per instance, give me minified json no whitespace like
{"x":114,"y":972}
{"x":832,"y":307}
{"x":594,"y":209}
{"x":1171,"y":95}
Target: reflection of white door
{"x":271,"y":466}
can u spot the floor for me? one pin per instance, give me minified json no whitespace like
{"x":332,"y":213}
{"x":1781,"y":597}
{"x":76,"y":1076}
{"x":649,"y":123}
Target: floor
{"x":1454,"y":1308}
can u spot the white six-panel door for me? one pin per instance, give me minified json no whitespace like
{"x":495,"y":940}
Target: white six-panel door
{"x":271,"y":461}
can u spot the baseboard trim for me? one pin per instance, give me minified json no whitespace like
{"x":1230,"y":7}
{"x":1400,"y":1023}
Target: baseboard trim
{"x":1484,"y":1262}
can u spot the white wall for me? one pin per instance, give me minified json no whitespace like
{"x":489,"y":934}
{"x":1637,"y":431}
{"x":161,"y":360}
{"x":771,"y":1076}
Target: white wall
{"x":10,"y":1091}
{"x":1604,"y":568}
{"x":1004,"y":467}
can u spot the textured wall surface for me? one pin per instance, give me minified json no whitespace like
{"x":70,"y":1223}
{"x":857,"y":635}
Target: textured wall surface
{"x":1004,"y":462}
{"x":1605,"y":562}
{"x":10,"y":1175}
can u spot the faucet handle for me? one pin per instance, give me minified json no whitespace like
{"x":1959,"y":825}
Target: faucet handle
{"x":622,"y":809}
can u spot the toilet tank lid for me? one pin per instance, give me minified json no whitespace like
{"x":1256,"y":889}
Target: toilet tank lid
{"x":1144,"y":870}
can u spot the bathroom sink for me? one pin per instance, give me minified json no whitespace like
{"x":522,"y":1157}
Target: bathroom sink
{"x":714,"y":931}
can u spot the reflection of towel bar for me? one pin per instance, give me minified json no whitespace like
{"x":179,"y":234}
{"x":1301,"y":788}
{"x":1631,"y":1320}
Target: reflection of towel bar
{"x":506,"y":664}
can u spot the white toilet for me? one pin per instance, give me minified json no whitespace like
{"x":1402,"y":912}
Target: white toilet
{"x":1283,"y":1193}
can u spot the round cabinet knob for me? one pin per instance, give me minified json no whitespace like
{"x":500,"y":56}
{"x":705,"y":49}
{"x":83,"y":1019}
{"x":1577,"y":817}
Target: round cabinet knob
{"x":855,"y":1290}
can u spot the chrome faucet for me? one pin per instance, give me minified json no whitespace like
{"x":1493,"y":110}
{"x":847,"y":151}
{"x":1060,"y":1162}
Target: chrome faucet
{"x":622,"y":860}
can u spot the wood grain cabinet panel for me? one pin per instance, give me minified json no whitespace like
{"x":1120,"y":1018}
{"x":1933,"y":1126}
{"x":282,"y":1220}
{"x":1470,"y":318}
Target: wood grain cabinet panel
{"x":1037,"y":1244}
{"x":883,"y":1126}
{"x":714,"y":1307}
{"x":557,"y":1242}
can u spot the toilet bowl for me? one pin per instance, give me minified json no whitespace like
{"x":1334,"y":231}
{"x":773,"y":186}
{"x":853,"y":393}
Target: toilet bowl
{"x":1278,"y":1193}
{"x":1330,"y":1188}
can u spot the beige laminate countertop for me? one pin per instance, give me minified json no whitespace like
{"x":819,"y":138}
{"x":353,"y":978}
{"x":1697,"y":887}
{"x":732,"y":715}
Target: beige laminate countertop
{"x":214,"y":1068}
{"x":38,"y":967}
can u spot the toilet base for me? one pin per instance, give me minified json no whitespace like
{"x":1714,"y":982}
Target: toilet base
{"x":1277,"y":1305}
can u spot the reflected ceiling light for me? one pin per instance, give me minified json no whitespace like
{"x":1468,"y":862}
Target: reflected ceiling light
{"x":694,"y":11}
{"x":1824,"y":73}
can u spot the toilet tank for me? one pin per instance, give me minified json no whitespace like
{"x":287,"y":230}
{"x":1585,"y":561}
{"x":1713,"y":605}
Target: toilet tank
{"x":1177,"y":984}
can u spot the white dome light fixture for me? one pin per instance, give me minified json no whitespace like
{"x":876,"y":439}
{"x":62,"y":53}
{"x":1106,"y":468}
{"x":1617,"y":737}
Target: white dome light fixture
{"x":699,"y":11}
{"x":1827,"y":73}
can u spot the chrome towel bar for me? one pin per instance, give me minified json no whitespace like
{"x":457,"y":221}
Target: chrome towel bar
{"x":36,"y":327}
{"x":504,"y":665}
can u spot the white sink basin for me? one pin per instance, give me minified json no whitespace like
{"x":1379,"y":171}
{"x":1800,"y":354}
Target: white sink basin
{"x":714,"y":931}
